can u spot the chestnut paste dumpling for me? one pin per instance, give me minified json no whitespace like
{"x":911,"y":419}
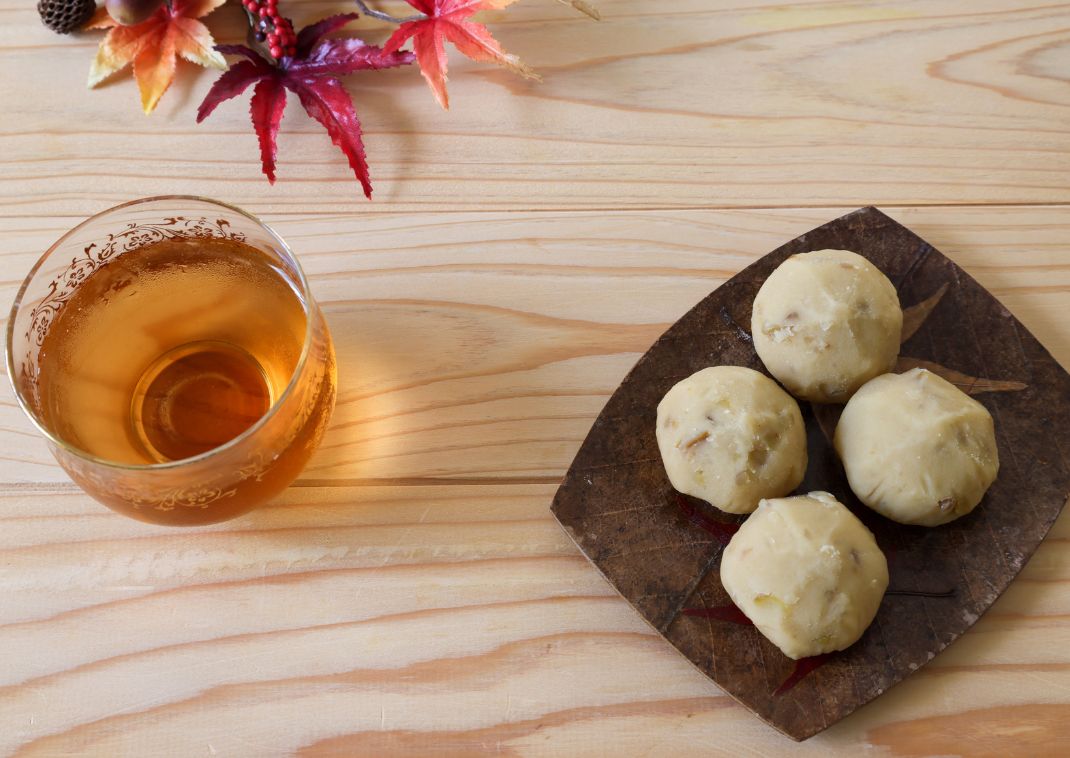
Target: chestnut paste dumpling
{"x":826,"y":322}
{"x":807,"y":572}
{"x":730,"y":436}
{"x":916,"y":448}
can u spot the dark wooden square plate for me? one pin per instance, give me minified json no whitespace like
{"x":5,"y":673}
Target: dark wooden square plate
{"x":661,"y":550}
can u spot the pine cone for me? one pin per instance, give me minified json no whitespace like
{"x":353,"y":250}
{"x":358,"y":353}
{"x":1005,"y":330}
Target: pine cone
{"x":65,"y":16}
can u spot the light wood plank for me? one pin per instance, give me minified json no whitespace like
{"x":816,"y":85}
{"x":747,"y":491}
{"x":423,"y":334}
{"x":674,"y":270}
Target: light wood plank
{"x":661,"y":105}
{"x":483,"y":345}
{"x":408,"y":620}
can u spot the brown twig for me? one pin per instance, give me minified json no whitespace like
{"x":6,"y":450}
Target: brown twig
{"x":371,"y":12}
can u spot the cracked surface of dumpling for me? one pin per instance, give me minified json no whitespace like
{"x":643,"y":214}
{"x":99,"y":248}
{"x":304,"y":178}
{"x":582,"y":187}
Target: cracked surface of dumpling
{"x":824,"y":323}
{"x":730,"y":436}
{"x":807,"y":572}
{"x":916,"y":448}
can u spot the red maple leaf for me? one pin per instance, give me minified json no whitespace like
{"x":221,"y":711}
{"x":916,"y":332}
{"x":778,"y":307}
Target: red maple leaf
{"x":449,"y":20}
{"x":311,"y":74}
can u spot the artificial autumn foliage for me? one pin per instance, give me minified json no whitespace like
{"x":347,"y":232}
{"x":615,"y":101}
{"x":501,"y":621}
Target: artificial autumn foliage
{"x":153,"y":46}
{"x":307,"y":65}
{"x":450,"y":20}
{"x":311,"y":74}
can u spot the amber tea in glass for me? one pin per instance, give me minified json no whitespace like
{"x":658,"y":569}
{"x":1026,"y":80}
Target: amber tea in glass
{"x":170,"y":351}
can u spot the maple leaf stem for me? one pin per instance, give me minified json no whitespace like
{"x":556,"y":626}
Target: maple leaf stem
{"x":386,"y":16}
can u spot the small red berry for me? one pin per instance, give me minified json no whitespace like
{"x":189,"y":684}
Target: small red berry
{"x":250,"y":5}
{"x":276,"y":51}
{"x":263,"y":12}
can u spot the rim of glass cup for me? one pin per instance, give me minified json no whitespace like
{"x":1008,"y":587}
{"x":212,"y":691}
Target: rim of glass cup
{"x":307,"y":305}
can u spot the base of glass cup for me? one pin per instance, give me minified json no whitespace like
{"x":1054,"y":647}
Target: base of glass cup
{"x":253,"y":484}
{"x":197,"y":397}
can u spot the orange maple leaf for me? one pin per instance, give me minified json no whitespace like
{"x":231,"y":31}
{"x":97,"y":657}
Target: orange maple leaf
{"x":152,"y":46}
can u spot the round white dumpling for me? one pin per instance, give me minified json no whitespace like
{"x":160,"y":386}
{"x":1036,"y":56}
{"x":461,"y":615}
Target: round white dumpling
{"x":825,"y":323}
{"x":916,"y":448}
{"x":730,"y":436}
{"x":807,"y":572}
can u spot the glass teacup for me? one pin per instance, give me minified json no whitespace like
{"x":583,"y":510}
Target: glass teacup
{"x":170,"y":351}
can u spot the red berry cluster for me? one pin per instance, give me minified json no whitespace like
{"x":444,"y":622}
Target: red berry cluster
{"x":274,"y":30}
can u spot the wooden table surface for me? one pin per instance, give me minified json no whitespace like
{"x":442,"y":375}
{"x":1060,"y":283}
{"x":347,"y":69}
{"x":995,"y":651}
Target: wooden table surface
{"x":411,"y":594}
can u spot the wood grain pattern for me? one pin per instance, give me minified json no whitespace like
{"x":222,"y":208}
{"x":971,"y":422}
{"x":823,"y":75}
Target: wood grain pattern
{"x":413,"y":589}
{"x":477,"y":345}
{"x":673,"y":105}
{"x":412,"y":596}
